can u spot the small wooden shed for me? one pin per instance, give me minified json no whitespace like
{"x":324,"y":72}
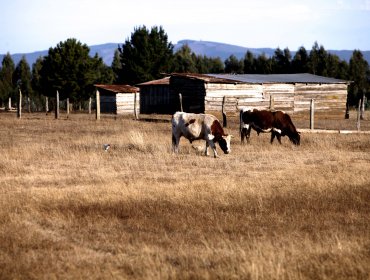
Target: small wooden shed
{"x":155,"y":97}
{"x":291,"y":93}
{"x":118,"y":99}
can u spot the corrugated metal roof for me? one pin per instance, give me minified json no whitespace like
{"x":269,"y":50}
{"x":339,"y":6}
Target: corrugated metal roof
{"x":209,"y":78}
{"x":119,"y":88}
{"x":279,"y":78}
{"x":164,"y":81}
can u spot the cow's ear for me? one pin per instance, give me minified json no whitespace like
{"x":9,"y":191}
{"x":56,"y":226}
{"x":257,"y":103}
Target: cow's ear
{"x":211,"y":137}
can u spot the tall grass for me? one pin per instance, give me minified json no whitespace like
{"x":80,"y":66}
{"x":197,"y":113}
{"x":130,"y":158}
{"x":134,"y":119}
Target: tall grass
{"x":69,"y":209}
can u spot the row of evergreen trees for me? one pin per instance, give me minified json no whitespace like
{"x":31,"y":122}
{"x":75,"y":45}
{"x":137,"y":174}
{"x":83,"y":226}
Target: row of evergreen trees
{"x":148,"y":54}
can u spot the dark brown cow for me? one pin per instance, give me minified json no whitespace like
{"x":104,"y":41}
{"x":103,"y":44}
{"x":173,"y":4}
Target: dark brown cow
{"x":276,"y":122}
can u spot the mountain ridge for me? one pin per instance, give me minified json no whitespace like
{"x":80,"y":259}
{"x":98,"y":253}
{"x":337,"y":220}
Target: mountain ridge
{"x":207,"y":48}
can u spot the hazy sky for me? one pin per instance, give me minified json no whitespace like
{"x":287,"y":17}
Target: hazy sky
{"x":33,"y":25}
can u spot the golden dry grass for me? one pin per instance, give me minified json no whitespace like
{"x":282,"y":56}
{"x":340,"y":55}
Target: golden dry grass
{"x":70,"y":210}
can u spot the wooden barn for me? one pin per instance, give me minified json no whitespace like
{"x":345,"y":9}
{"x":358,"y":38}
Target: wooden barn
{"x":155,"y":97}
{"x":291,"y":93}
{"x":118,"y":99}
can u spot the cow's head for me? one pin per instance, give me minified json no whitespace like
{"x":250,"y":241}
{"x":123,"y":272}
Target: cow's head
{"x":295,"y":137}
{"x":224,"y":143}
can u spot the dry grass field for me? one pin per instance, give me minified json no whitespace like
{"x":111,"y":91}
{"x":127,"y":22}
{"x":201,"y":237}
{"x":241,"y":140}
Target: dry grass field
{"x":70,"y":210}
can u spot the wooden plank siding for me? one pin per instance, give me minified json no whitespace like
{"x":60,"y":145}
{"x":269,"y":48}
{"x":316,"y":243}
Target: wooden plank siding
{"x":330,"y":99}
{"x":193,"y":93}
{"x":205,"y":93}
{"x":282,"y":95}
{"x":119,"y":103}
{"x":237,"y":96}
{"x":155,"y":97}
{"x":118,"y":99}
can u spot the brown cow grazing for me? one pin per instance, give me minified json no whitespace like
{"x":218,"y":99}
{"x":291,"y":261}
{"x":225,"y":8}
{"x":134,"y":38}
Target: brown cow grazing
{"x":276,"y":122}
{"x":199,"y":126}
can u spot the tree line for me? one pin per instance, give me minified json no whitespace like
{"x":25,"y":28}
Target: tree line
{"x":148,"y":55}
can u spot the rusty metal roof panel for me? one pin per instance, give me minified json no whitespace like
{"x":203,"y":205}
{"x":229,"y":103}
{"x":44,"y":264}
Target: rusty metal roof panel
{"x":280,"y":78}
{"x":164,"y":81}
{"x":118,"y":88}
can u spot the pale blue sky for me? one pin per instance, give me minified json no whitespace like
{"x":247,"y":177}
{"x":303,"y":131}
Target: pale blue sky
{"x":33,"y":25}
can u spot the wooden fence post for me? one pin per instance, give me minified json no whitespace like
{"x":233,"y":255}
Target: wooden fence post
{"x":67,"y":107}
{"x":358,"y":124}
{"x":363,"y":100}
{"x":97,"y":105}
{"x":135,"y":106}
{"x":180,"y":98}
{"x":57,"y":105}
{"x":19,"y":105}
{"x":224,"y":119}
{"x":10,"y":103}
{"x":312,"y":114}
{"x":46,"y":104}
{"x":271,"y":102}
{"x":90,"y":105}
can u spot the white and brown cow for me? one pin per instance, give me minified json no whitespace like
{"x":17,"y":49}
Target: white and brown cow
{"x":199,"y":127}
{"x":277,"y":123}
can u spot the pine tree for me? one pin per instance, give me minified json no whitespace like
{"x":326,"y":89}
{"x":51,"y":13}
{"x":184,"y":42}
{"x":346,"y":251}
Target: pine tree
{"x":145,"y":56}
{"x":359,"y":73}
{"x":300,"y":61}
{"x":184,"y":61}
{"x":116,"y":66}
{"x":318,"y":60}
{"x":36,"y":85}
{"x":249,"y":63}
{"x":7,"y":88}
{"x":264,"y":64}
{"x":36,"y":76}
{"x":233,"y":65}
{"x":281,"y":61}
{"x":206,"y":64}
{"x":22,"y":77}
{"x":69,"y":69}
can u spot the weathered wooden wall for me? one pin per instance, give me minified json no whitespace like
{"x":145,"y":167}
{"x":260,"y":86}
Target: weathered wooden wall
{"x":193,"y":93}
{"x":108,"y":103}
{"x":237,"y":96}
{"x":120,"y":103}
{"x":330,"y":99}
{"x":156,"y":99}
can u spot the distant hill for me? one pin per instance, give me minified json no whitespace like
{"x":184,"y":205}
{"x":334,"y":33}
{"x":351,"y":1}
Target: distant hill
{"x":210,"y":49}
{"x":222,"y":50}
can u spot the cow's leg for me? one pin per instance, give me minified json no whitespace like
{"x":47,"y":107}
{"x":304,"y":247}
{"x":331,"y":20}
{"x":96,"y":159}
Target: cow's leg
{"x":213,"y":146}
{"x":175,"y":143}
{"x":278,"y":136}
{"x":243,"y":132}
{"x":248,"y":134}
{"x":272,"y":136}
{"x":206,"y":149}
{"x":276,"y":132}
